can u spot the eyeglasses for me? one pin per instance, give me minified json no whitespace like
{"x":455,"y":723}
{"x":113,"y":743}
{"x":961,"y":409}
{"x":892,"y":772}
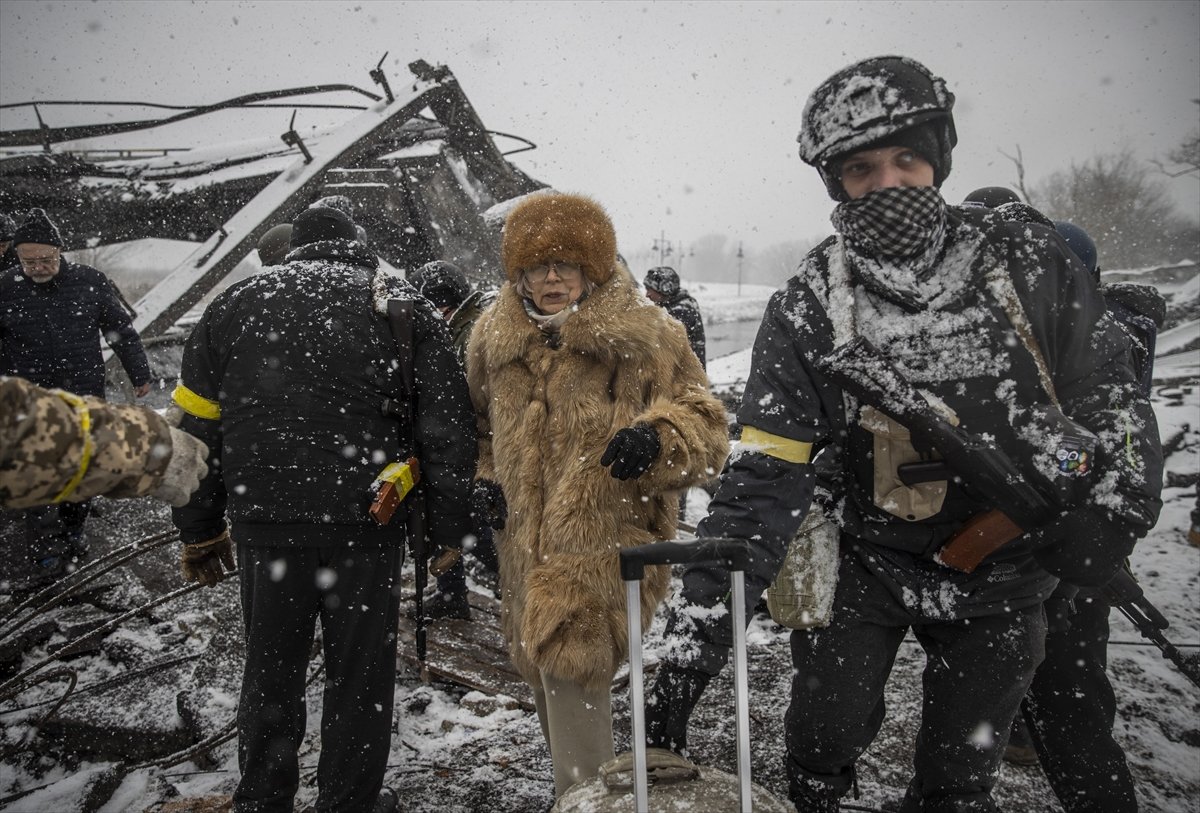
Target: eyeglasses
{"x":565,"y":272}
{"x":48,"y":261}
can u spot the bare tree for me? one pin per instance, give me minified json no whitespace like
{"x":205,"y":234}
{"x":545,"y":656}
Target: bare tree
{"x":1125,"y":208}
{"x":1019,"y":161}
{"x":1184,"y":159}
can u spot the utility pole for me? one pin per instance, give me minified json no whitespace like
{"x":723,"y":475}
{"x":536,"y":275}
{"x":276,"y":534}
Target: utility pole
{"x":662,"y":246}
{"x":740,"y":255}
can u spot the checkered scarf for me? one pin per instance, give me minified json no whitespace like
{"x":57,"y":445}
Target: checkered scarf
{"x":900,"y":221}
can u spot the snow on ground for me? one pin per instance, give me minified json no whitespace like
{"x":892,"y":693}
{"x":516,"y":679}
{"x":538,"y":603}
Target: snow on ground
{"x":459,"y":752}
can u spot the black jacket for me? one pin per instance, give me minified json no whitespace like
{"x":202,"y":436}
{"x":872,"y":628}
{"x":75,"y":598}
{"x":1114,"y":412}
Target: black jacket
{"x":685,"y":310}
{"x":964,"y":351}
{"x":51,"y":331}
{"x":286,"y":374}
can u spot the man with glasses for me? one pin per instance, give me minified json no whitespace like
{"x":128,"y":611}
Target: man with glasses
{"x":52,"y":313}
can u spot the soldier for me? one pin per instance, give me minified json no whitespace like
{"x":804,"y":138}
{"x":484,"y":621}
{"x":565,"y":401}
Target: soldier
{"x":991,"y":320}
{"x":662,"y":288}
{"x":293,"y":377}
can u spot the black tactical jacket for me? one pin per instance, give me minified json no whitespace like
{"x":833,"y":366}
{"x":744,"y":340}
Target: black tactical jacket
{"x":964,"y":350}
{"x":286,"y":377}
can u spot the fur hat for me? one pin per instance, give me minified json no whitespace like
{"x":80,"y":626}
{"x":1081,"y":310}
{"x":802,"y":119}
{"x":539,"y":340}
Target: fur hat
{"x":664,"y":280}
{"x":554,"y":226}
{"x":37,"y":228}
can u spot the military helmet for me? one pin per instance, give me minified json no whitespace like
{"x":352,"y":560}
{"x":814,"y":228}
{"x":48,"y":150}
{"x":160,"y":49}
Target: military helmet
{"x":870,"y":102}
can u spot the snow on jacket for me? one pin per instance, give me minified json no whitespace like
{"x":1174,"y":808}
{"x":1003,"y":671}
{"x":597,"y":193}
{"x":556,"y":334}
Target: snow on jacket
{"x":286,"y":373}
{"x":56,"y":446}
{"x":685,"y":309}
{"x":963,"y":350}
{"x":50,"y":331}
{"x":546,"y":416}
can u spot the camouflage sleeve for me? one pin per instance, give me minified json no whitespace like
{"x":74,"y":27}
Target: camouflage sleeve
{"x":56,"y":447}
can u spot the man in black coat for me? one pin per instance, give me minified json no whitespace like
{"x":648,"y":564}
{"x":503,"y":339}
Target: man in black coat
{"x":991,"y":320}
{"x":663,"y":289}
{"x":52,"y":315}
{"x":291,"y":378}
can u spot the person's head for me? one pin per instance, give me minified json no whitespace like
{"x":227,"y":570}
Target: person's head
{"x":7,"y":227}
{"x":881,"y":122}
{"x":990,"y":197}
{"x":39,"y":246}
{"x":320,"y":223}
{"x":1081,"y":244}
{"x":274,"y":245}
{"x":661,"y":283}
{"x":443,"y":284}
{"x":555,"y":247}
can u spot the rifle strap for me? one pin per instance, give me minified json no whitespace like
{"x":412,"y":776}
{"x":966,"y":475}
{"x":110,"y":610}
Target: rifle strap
{"x":400,"y":320}
{"x":999,"y":282}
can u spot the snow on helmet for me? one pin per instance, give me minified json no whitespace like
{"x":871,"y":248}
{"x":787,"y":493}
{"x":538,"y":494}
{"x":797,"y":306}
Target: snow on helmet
{"x":662,"y":279}
{"x":871,"y":101}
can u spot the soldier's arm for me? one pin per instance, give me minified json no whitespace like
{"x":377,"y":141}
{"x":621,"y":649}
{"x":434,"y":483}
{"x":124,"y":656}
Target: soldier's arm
{"x":121,"y":336}
{"x":55,"y":447}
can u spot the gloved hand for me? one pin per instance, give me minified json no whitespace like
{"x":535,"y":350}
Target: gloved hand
{"x":632,"y":451}
{"x":676,"y":692}
{"x":1085,"y":546}
{"x":488,"y":505}
{"x":185,"y":470}
{"x":201,"y":561}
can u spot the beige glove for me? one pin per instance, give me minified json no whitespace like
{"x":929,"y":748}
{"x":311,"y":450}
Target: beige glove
{"x":185,"y":470}
{"x":201,"y":561}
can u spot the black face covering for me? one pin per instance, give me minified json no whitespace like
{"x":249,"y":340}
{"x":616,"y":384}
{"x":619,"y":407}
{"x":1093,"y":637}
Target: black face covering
{"x":897,"y":222}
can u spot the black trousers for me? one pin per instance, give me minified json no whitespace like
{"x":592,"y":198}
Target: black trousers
{"x":1070,"y":710}
{"x":355,"y":594}
{"x":976,"y":673}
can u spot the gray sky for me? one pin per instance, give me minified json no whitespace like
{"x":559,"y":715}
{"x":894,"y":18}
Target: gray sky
{"x":678,"y":117}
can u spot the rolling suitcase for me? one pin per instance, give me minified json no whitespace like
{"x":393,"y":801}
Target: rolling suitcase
{"x":680,"y":785}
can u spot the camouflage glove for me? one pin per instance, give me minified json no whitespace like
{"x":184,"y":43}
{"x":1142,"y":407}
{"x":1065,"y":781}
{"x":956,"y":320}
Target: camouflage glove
{"x":185,"y":470}
{"x":632,"y":451}
{"x":201,"y":561}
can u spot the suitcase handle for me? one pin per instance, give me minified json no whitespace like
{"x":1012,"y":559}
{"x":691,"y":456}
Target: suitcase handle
{"x":733,"y":553}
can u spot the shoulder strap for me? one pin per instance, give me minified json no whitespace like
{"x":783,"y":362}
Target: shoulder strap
{"x":400,"y":314}
{"x":999,"y":281}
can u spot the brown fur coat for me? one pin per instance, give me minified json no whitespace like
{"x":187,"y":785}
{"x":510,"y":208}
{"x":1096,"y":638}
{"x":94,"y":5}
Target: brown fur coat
{"x":545,"y":418}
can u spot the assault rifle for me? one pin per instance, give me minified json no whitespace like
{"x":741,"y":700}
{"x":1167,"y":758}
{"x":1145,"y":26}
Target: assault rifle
{"x":400,"y":319}
{"x":1017,"y":505}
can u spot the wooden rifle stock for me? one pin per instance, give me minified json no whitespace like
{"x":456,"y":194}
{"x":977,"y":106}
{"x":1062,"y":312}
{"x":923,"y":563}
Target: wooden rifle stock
{"x":977,"y":539}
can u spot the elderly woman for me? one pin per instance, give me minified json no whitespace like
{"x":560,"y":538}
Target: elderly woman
{"x":594,"y":414}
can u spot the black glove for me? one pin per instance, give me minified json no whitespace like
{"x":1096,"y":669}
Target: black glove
{"x":488,"y":505}
{"x":1085,"y":547}
{"x":631,"y":451}
{"x":676,"y":692}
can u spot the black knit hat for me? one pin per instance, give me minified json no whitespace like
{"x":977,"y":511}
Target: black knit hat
{"x":989,"y":197}
{"x":7,"y":227}
{"x":37,"y":228}
{"x":321,"y":223}
{"x":442,"y":283}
